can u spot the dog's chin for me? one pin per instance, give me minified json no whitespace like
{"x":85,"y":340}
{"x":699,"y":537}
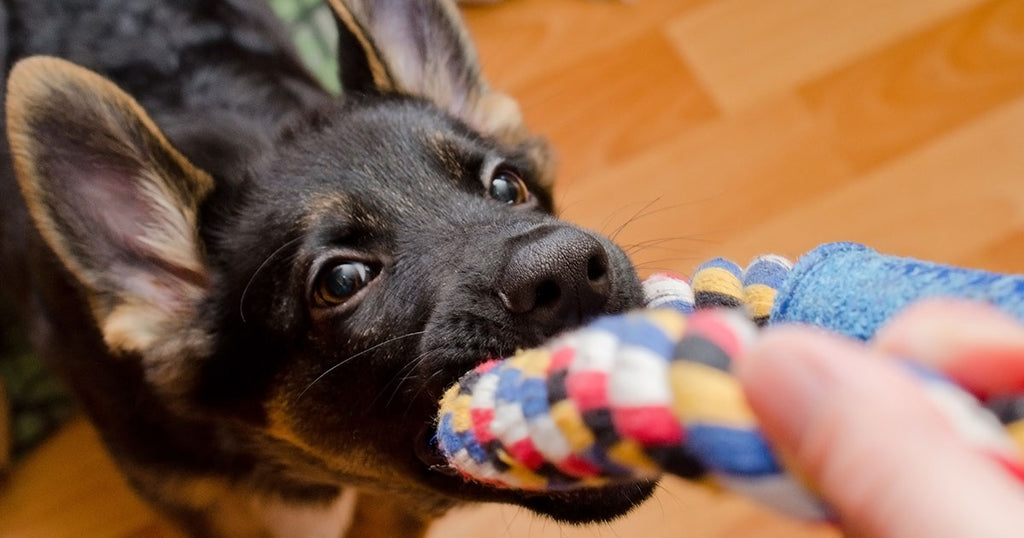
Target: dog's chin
{"x":578,"y":506}
{"x":590,"y":505}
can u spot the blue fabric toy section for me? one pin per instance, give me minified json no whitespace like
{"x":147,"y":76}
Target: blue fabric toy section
{"x":852,"y":289}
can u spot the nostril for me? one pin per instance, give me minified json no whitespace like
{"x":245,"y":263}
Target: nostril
{"x":562,"y":276}
{"x":597,"y":267}
{"x":548,"y":293}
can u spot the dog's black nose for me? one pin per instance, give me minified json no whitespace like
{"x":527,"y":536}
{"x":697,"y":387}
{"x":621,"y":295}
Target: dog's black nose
{"x":557,"y":278}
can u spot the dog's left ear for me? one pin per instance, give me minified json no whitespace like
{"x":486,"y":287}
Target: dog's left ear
{"x":419,"y":47}
{"x":117,"y":204}
{"x":422,"y":48}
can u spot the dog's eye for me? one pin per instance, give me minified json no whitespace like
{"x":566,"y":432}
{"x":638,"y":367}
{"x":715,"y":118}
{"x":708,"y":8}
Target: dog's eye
{"x":507,"y":187}
{"x":342,"y":281}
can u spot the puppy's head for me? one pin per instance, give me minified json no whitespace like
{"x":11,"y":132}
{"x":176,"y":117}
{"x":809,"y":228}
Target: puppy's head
{"x":319,"y":305}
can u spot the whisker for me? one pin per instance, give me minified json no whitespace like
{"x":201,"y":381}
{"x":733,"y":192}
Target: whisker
{"x":673,"y":207}
{"x":348,"y":359}
{"x":657,"y":265}
{"x":245,"y":292}
{"x":633,"y":248}
{"x":419,"y":360}
{"x":408,"y":407}
{"x":611,"y":526}
{"x":401,"y":375}
{"x":636,"y":216}
{"x":560,"y":209}
{"x":667,"y":492}
{"x":607,"y":219}
{"x":508,"y":524}
{"x":647,"y":264}
{"x":646,"y":210}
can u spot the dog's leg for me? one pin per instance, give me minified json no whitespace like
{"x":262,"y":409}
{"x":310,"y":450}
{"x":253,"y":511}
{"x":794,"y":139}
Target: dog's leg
{"x":202,"y":507}
{"x":380,"y":516}
{"x":209,"y":507}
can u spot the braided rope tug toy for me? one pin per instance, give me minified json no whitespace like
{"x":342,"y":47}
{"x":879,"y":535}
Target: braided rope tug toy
{"x":633,"y":396}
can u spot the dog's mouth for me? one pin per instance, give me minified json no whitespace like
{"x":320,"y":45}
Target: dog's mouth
{"x":584,"y":505}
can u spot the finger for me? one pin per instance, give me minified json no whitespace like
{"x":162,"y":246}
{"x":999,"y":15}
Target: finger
{"x":862,"y":432}
{"x":975,"y":344}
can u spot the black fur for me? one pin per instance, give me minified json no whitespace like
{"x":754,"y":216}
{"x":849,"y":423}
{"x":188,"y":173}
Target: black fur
{"x":302,"y":179}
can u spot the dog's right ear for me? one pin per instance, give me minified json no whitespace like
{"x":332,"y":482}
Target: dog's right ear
{"x":117,"y":204}
{"x":422,"y":48}
{"x":419,"y":47}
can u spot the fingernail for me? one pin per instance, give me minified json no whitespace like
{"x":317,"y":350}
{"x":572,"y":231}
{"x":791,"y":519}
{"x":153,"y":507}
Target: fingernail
{"x":988,"y":373}
{"x":936,"y":331}
{"x":980,"y":348}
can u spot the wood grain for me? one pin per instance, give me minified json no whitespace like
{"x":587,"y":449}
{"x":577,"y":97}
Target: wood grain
{"x":700,"y":128}
{"x":934,"y":81}
{"x":747,"y":50}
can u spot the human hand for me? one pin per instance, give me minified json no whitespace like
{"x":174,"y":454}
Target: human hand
{"x":862,"y":432}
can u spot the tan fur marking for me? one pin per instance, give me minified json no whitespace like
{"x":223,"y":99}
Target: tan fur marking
{"x":230,"y":511}
{"x":383,"y":516}
{"x":133,"y":327}
{"x":279,"y":428}
{"x":174,"y":239}
{"x":361,"y":465}
{"x":235,"y":512}
{"x":333,"y":521}
{"x":323,"y":205}
{"x":446,"y":154}
{"x":497,"y":114}
{"x":381,"y":78}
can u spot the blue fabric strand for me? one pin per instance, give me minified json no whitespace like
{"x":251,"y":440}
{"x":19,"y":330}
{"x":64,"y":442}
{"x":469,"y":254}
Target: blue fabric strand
{"x":853,"y":290}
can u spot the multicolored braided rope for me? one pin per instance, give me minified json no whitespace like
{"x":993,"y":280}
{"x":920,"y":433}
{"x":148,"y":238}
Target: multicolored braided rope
{"x":633,"y":396}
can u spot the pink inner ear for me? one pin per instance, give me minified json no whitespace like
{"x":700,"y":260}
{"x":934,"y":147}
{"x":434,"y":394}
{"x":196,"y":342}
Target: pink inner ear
{"x":426,"y":51}
{"x":125,"y":233}
{"x":98,"y":199}
{"x":394,"y":35}
{"x":114,"y":205}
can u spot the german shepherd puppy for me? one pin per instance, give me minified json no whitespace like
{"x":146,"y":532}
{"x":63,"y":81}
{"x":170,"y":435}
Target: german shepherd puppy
{"x":258,"y":290}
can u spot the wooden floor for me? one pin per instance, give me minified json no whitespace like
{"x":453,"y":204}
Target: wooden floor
{"x":699,"y":128}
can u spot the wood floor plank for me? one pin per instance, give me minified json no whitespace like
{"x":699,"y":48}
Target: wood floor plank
{"x":956,"y":195}
{"x":886,"y":103}
{"x":745,"y":51}
{"x":607,"y":88}
{"x":69,"y":488}
{"x":1004,"y":254}
{"x":523,"y":43}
